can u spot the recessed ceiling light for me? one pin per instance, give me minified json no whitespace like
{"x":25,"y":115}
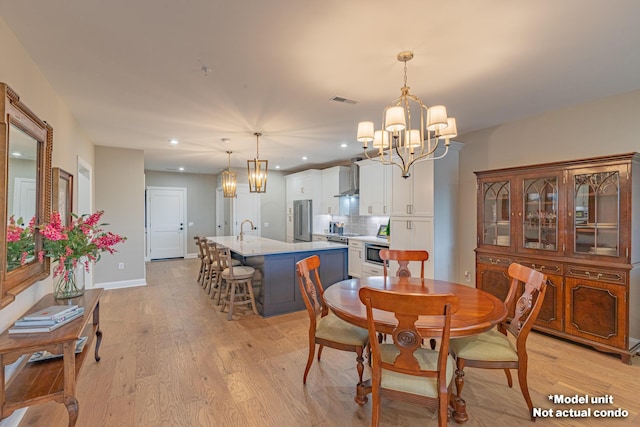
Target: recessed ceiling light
{"x":16,"y":154}
{"x":226,"y":140}
{"x":343,"y":145}
{"x":277,"y":166}
{"x":304,"y":157}
{"x":180,"y":168}
{"x":173,"y":141}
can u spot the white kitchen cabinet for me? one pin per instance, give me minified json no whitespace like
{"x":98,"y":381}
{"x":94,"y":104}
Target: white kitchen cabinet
{"x":415,"y":234}
{"x":375,"y":188}
{"x":355,"y":258}
{"x":290,"y":223}
{"x":423,"y":210}
{"x":333,"y":180}
{"x":305,"y":185}
{"x":369,"y":270}
{"x":413,"y":196}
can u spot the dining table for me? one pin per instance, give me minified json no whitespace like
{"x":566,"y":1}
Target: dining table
{"x":478,"y":312}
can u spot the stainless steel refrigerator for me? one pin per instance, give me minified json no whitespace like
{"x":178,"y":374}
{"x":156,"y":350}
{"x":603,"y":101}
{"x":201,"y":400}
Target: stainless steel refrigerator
{"x":302,"y":223}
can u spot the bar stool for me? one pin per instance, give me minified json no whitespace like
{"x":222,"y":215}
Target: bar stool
{"x":201,"y":255}
{"x":238,"y":280}
{"x":214,"y":278}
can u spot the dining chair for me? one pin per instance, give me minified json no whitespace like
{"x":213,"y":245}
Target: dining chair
{"x":325,"y":328}
{"x":405,"y":370}
{"x":493,"y":349}
{"x":238,"y":280}
{"x":403,"y":257}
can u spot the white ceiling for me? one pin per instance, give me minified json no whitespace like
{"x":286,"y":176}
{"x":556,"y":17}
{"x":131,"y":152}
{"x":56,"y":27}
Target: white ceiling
{"x":130,"y":71}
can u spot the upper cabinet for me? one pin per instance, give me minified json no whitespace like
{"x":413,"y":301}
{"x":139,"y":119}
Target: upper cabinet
{"x":413,"y":196}
{"x":333,"y":180}
{"x":375,"y":188}
{"x":576,"y":209}
{"x":305,"y":185}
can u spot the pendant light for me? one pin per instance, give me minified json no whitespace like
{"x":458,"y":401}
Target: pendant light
{"x":257,"y":171}
{"x":229,"y":181}
{"x":409,"y":134}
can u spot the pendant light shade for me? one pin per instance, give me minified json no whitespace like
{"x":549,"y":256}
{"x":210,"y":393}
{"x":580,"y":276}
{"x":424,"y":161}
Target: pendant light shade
{"x":257,"y":171}
{"x":229,"y":181}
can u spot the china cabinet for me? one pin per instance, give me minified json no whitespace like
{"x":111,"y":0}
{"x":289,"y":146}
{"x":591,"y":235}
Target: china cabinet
{"x":574,"y":221}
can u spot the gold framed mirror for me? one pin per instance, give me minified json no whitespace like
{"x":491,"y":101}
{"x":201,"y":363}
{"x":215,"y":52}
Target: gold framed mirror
{"x":26,"y":144}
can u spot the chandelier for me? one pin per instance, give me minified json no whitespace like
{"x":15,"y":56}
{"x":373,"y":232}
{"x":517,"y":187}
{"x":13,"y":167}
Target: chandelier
{"x":257,"y":171}
{"x":403,"y":140}
{"x":229,"y":181}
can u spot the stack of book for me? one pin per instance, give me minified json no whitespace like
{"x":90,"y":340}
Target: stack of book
{"x":46,"y":320}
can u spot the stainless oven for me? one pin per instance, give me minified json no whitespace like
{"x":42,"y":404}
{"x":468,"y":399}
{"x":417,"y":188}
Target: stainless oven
{"x":372,"y":253}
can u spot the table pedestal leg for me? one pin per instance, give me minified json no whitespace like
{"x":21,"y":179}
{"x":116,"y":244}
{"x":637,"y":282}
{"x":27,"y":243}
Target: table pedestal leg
{"x":459,"y":407}
{"x":362,"y":389}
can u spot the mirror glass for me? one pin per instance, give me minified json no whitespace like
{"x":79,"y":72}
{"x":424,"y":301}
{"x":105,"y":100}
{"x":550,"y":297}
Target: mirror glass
{"x":21,"y":197}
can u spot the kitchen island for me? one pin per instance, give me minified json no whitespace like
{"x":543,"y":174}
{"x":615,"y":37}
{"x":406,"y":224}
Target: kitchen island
{"x":275,"y":282}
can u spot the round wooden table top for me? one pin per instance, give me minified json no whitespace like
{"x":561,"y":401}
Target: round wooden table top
{"x":479,"y":311}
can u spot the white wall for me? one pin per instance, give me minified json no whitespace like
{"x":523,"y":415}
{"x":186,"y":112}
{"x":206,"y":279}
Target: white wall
{"x":21,"y":74}
{"x":602,"y":127}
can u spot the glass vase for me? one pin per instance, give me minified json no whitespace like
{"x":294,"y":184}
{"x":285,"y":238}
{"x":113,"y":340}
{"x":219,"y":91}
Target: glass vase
{"x":70,"y":284}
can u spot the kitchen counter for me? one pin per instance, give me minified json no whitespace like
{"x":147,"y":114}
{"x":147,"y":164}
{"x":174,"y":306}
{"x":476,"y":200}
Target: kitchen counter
{"x":275,"y":282}
{"x":254,"y":246}
{"x":382,"y":241}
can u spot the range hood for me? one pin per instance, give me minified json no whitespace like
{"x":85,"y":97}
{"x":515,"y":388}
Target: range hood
{"x":351,"y":187}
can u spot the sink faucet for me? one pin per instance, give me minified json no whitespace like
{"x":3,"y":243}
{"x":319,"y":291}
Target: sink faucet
{"x":241,"y":230}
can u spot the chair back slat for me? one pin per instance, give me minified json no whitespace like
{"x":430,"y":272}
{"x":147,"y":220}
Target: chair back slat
{"x":406,"y":337}
{"x":403,"y":258}
{"x":529,"y":303}
{"x":310,"y":285}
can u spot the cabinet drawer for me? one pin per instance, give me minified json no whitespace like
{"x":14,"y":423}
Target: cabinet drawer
{"x":502,"y":261}
{"x":545,"y":267}
{"x":599,"y":274}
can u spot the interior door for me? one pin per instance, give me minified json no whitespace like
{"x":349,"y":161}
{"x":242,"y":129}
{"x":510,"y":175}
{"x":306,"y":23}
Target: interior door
{"x":165,"y":221}
{"x":246,"y":206}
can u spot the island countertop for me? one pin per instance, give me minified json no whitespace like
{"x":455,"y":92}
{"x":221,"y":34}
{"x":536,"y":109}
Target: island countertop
{"x":256,"y":246}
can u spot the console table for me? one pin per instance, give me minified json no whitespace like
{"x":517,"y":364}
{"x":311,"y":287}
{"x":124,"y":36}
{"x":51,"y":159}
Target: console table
{"x":53,"y":379}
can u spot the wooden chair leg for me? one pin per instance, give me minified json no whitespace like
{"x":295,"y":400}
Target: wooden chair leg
{"x":232,"y":297}
{"x":320,"y":351}
{"x":360,"y":363}
{"x":459,"y":376}
{"x":508,"y":374}
{"x":524,"y":387}
{"x":312,"y":350}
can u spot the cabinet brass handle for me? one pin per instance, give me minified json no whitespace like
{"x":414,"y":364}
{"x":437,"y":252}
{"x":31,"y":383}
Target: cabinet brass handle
{"x":494,"y":262}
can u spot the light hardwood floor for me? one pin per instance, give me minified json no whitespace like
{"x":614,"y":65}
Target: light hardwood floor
{"x":170,"y":358}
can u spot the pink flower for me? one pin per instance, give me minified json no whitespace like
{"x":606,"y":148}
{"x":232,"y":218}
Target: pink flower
{"x":94,"y":218}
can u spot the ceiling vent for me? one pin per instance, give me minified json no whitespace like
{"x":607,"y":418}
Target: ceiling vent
{"x":344,"y":100}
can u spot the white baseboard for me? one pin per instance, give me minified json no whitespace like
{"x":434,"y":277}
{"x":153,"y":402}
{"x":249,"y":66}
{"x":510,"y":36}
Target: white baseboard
{"x":193,"y":255}
{"x":121,"y":284}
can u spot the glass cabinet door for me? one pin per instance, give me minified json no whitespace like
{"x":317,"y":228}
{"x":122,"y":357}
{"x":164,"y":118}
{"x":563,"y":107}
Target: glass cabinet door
{"x":596,"y":224}
{"x":540,"y":213}
{"x":496,"y":221}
